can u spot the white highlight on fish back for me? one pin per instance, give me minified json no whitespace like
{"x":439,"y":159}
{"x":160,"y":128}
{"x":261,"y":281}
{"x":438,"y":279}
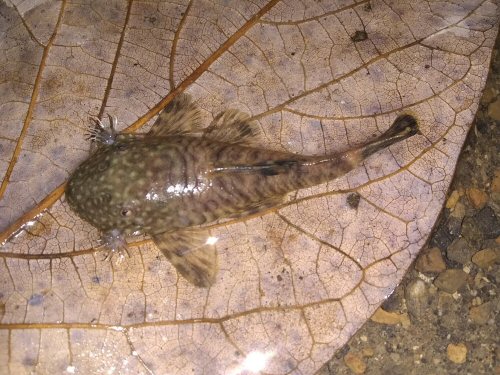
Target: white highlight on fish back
{"x":211,"y":240}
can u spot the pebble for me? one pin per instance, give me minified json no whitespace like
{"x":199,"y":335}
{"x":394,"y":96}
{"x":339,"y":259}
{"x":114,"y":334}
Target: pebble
{"x":355,"y":362}
{"x":459,"y":251}
{"x":453,"y":199}
{"x":396,"y":357}
{"x":495,"y":182}
{"x":391,"y":318}
{"x":488,"y":95}
{"x":480,"y":314}
{"x":417,"y":298}
{"x":476,"y":301}
{"x":454,"y":226}
{"x":483,"y":225}
{"x":368,"y":352}
{"x":477,"y":197}
{"x":457,"y":353}
{"x":430,"y":260}
{"x":451,"y":280}
{"x":495,"y":186}
{"x":494,"y":110}
{"x":445,"y":303}
{"x":486,"y":258}
{"x":459,"y":211}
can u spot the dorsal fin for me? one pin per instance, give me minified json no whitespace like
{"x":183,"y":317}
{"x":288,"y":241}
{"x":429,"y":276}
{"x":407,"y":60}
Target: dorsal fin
{"x":233,"y":126}
{"x":181,"y":116}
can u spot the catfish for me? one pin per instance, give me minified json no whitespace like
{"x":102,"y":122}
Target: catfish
{"x":173,"y":181}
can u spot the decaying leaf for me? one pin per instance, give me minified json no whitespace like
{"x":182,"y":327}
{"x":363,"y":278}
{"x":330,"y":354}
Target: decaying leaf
{"x":293,"y":284}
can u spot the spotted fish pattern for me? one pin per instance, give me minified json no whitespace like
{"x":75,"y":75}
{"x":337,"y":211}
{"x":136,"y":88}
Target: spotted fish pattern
{"x":172,"y":181}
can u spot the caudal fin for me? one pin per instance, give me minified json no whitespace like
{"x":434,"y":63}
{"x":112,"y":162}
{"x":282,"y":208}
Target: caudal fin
{"x":403,"y":127}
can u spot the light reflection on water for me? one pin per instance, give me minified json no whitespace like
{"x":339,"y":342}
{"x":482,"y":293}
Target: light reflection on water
{"x":254,"y":363}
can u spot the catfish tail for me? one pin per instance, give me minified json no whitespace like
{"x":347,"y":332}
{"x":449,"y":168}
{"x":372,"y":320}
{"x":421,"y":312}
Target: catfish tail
{"x":293,"y":172}
{"x":403,"y":127}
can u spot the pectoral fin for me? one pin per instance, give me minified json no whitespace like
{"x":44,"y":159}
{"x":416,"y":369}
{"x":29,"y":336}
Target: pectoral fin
{"x":192,"y":253}
{"x":181,"y":116}
{"x":233,"y":126}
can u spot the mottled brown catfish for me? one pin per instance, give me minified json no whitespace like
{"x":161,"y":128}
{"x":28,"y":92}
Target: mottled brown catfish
{"x":171,"y":181}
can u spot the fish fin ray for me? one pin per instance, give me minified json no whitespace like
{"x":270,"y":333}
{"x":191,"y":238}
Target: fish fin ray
{"x":259,"y":207}
{"x":191,"y":254}
{"x":180,"y":116}
{"x":233,"y":126}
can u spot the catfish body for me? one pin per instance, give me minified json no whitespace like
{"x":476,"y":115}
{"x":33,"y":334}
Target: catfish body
{"x":171,"y":181}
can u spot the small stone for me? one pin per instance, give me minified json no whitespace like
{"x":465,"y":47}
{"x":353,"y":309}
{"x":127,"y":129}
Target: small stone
{"x":480,"y":314}
{"x":476,"y":301}
{"x":396,"y":357}
{"x":482,"y":284}
{"x":445,"y":303}
{"x":483,"y":225}
{"x":488,"y":95}
{"x":457,"y":353}
{"x":355,"y":363}
{"x":453,"y":199}
{"x":441,"y":237}
{"x":495,"y":182}
{"x":486,"y":258}
{"x":391,"y":318}
{"x":340,"y":353}
{"x":430,"y":261}
{"x":368,"y":352}
{"x":451,"y":280}
{"x":394,"y":301}
{"x":494,"y":110}
{"x":454,"y":225}
{"x":477,"y":197}
{"x":459,"y":211}
{"x":417,"y":298}
{"x":487,"y":223}
{"x":459,"y":251}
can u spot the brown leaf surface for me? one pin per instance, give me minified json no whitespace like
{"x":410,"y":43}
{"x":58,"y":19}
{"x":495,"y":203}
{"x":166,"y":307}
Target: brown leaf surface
{"x":295,"y":283}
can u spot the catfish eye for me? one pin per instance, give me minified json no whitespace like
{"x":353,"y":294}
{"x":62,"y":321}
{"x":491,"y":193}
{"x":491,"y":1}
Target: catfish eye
{"x":126,"y":212}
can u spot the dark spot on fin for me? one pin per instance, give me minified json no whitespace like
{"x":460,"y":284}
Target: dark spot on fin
{"x":232,"y":126}
{"x":276,"y":167}
{"x":403,"y":127}
{"x":271,"y":168}
{"x":192,"y":253}
{"x":269,"y":172}
{"x":181,"y":116}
